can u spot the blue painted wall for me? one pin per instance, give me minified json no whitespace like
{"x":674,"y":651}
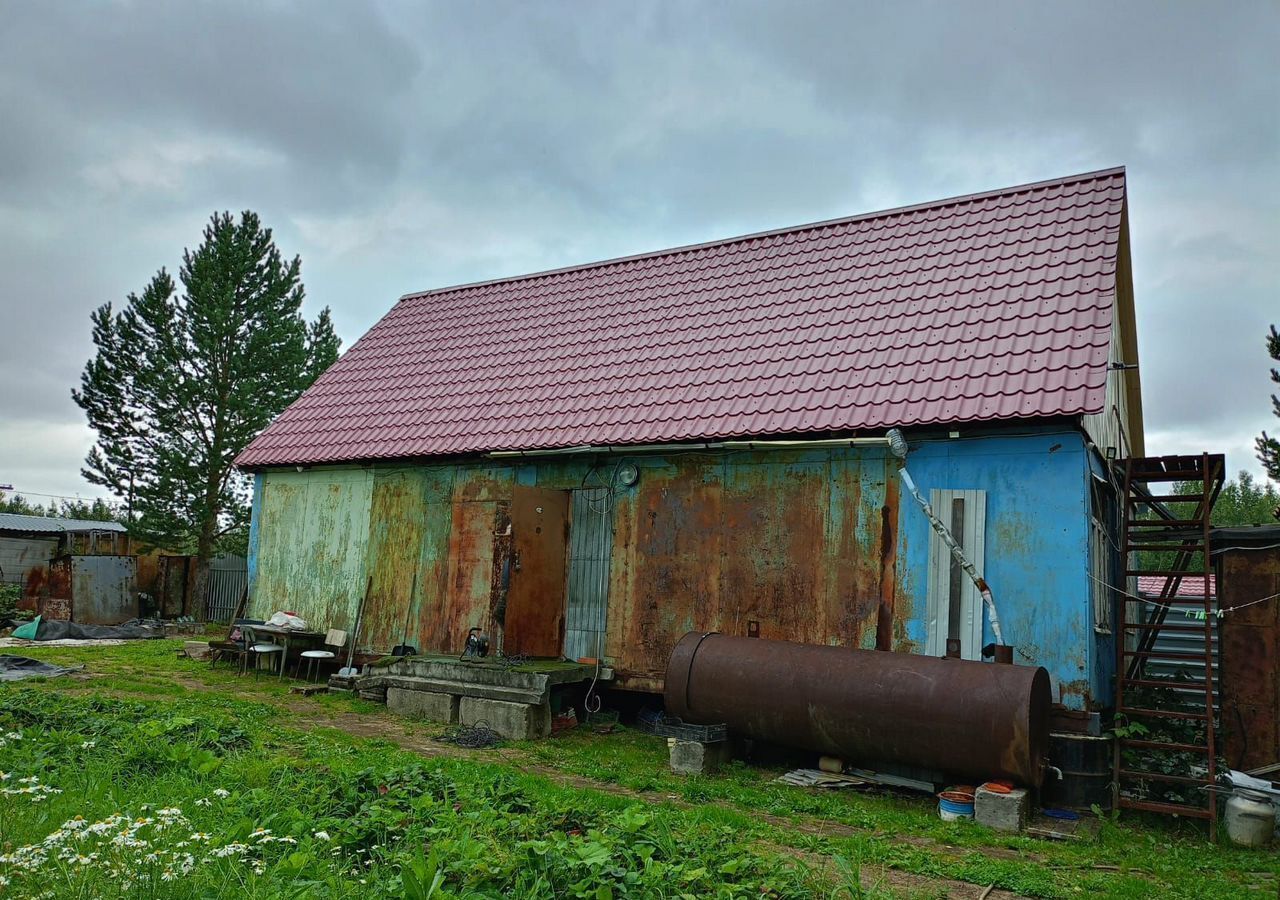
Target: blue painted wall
{"x":255,"y":527}
{"x":1037,"y":547}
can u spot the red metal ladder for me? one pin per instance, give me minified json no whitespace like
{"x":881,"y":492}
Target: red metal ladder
{"x":1176,"y":525}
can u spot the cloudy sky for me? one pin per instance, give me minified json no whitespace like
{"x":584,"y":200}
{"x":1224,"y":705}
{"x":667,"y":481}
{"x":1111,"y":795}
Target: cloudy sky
{"x":399,"y":147}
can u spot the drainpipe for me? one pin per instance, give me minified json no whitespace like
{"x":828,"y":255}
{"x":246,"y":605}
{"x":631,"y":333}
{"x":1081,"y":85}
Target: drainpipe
{"x":898,"y":446}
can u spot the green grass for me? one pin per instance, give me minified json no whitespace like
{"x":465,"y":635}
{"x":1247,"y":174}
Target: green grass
{"x":581,"y":815}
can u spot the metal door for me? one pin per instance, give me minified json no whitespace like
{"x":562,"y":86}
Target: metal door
{"x":228,"y":577}
{"x":534,"y":621}
{"x":590,"y":547}
{"x":102,"y":590}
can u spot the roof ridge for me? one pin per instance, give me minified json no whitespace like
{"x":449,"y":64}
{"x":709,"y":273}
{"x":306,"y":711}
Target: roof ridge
{"x":772,"y":232}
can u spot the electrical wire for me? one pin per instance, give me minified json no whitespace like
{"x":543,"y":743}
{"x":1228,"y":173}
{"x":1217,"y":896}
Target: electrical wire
{"x":599,"y":701}
{"x":1219,"y":613}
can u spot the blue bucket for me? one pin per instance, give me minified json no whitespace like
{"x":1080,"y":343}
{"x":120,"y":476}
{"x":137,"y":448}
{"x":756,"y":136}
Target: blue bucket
{"x":954,"y":805}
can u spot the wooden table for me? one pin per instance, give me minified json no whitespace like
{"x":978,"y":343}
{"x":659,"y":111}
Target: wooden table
{"x":285,"y":636}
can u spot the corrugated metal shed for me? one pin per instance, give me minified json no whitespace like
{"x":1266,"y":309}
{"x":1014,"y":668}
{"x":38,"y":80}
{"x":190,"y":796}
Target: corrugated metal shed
{"x":19,"y":554}
{"x":992,"y":306}
{"x":53,"y":524}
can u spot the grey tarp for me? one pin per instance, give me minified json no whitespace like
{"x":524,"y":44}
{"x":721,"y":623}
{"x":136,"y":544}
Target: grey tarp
{"x":15,"y":668}
{"x":57,"y":630}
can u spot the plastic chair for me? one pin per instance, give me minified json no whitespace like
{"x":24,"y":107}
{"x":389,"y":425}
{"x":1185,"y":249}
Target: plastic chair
{"x":335,"y":639}
{"x":259,"y":649}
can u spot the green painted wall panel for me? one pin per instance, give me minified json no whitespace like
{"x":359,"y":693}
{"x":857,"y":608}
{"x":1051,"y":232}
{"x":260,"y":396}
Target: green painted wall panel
{"x":311,"y":548}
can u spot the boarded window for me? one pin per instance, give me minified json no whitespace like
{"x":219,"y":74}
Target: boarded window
{"x":1104,"y":555}
{"x":955,"y":606}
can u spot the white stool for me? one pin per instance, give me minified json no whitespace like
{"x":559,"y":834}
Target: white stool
{"x":256,"y":650}
{"x":314,"y":658}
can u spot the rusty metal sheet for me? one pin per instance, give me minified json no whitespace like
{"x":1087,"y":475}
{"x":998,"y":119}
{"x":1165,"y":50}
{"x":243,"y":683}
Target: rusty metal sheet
{"x":1249,"y":669}
{"x":102,"y":589}
{"x":666,"y":560}
{"x":466,"y":601}
{"x":19,"y":554}
{"x":797,"y":545}
{"x":59,"y":584}
{"x":176,"y":577}
{"x":398,"y":511}
{"x":772,"y":551}
{"x":859,"y":606}
{"x":534,"y":621}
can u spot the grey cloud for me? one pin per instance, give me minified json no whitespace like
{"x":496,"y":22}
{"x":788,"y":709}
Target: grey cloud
{"x":408,"y":145}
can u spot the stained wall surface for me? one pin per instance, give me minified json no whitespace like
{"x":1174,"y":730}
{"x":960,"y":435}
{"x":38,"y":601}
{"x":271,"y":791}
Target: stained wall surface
{"x":821,"y":545}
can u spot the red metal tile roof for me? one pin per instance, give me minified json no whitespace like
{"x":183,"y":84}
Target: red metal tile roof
{"x":987,"y":307}
{"x":1191,"y":586}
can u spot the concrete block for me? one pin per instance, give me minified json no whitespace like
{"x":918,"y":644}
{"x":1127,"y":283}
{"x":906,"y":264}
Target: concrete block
{"x":1003,"y":812}
{"x":441,"y":708}
{"x":695,"y":758}
{"x":514,"y":721}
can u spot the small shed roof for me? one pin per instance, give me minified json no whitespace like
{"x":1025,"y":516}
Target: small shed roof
{"x":993,"y":306}
{"x":1191,"y":586}
{"x":53,"y":524}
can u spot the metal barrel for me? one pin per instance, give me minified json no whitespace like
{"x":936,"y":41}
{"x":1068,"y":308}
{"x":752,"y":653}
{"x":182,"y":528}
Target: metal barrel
{"x":965,"y":718}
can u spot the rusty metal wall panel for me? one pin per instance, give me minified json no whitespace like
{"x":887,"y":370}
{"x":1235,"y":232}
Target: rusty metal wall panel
{"x":1249,"y":643}
{"x":534,"y":621}
{"x":666,"y":562}
{"x":798,"y":545}
{"x":590,"y":546}
{"x":102,"y":589}
{"x":19,"y":554}
{"x":397,"y":513}
{"x":59,"y":583}
{"x":466,"y":601}
{"x":862,"y":605}
{"x":773,"y":548}
{"x":312,"y":544}
{"x":176,"y":575}
{"x":811,"y":544}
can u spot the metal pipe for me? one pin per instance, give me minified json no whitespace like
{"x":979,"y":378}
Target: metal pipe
{"x":705,"y":445}
{"x":957,"y":716}
{"x":824,"y":442}
{"x":604,"y":449}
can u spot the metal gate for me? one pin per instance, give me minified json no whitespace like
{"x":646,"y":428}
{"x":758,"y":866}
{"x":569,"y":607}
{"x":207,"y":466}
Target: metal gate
{"x":228,"y":576}
{"x":590,"y":550}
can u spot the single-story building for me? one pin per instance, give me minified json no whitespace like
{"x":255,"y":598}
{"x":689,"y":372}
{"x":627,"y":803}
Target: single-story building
{"x":594,"y":460}
{"x":75,"y":569}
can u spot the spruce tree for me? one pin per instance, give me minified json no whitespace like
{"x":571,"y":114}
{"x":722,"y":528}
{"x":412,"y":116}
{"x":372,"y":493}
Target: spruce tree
{"x":1269,"y":447}
{"x":184,"y":378}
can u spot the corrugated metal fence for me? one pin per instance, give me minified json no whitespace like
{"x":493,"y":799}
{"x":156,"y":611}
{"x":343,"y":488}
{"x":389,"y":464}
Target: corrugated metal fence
{"x":1183,"y":642}
{"x":228,"y":576}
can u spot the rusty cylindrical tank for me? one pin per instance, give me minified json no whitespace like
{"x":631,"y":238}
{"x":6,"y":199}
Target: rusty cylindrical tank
{"x":966,"y":718}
